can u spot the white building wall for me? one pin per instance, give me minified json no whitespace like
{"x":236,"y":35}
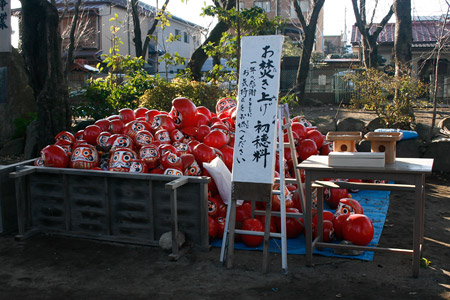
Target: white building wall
{"x":182,"y":47}
{"x":190,"y":38}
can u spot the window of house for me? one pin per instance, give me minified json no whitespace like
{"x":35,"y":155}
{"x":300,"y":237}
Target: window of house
{"x":265,"y":5}
{"x":178,"y":33}
{"x":241,"y":5}
{"x":186,"y":37}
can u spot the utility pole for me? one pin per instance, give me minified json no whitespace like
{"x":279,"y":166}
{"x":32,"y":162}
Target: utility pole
{"x":345,"y":25}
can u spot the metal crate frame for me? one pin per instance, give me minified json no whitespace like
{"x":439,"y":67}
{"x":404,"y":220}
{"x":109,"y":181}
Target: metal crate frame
{"x":8,"y":208}
{"x":112,"y":206}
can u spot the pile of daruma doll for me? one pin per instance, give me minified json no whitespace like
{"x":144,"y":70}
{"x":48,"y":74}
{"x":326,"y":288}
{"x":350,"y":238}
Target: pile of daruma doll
{"x":180,"y":141}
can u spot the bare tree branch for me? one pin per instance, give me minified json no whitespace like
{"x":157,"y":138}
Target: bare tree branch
{"x":368,"y":39}
{"x":373,"y":13}
{"x":73,"y":28}
{"x":298,"y":11}
{"x":383,"y":22}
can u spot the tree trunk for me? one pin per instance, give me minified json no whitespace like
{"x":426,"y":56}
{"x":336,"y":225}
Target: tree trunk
{"x":42,"y":54}
{"x":137,"y":28}
{"x":303,"y":70}
{"x":403,"y":37}
{"x":370,"y":51}
{"x":199,"y":56}
{"x":309,"y":31}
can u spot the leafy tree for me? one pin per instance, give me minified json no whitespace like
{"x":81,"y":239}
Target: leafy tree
{"x":251,"y":21}
{"x":199,"y":56}
{"x":291,"y":47}
{"x":169,"y":58}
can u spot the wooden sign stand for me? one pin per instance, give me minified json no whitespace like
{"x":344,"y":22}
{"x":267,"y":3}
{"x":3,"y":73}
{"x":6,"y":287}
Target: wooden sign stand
{"x":263,"y":192}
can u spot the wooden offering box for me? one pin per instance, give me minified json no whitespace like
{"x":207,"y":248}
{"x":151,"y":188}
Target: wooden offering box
{"x":384,"y":142}
{"x":344,"y":141}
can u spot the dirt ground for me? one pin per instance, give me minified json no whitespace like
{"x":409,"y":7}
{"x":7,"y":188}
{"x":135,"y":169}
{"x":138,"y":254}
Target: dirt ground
{"x":55,"y":267}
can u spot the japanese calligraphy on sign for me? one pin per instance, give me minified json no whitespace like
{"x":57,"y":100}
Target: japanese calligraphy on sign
{"x":5,"y":26}
{"x":259,"y":82}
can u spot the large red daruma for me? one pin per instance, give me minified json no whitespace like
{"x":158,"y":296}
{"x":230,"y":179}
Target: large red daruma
{"x":358,"y":229}
{"x":183,"y":113}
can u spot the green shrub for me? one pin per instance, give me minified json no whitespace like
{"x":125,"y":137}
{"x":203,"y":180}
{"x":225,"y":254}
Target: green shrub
{"x":107,"y":95}
{"x":200,"y":93}
{"x":391,"y":98}
{"x":22,"y":123}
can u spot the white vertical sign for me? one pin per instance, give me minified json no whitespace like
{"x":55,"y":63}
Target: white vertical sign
{"x":5,"y":25}
{"x":256,"y":120}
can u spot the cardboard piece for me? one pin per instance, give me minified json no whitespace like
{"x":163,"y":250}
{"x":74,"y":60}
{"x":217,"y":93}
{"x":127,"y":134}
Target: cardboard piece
{"x":356,"y":159}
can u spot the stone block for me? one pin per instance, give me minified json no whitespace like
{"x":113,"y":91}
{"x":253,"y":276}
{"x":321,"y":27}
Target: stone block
{"x":424,"y":130}
{"x":439,"y":150}
{"x":325,"y":124}
{"x":165,"y":241}
{"x":363,"y":146}
{"x":408,"y":148}
{"x":375,"y":124}
{"x":350,"y":124}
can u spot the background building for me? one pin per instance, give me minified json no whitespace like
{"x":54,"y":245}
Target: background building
{"x":94,"y":36}
{"x":426,"y":32}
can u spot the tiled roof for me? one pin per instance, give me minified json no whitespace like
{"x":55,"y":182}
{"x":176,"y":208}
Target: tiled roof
{"x":424,"y":32}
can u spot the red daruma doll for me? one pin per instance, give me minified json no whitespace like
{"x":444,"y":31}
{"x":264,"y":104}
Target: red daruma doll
{"x":84,"y":156}
{"x":121,"y":160}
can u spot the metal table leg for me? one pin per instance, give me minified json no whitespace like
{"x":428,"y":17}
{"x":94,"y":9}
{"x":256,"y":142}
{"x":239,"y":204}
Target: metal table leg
{"x":308,"y":219}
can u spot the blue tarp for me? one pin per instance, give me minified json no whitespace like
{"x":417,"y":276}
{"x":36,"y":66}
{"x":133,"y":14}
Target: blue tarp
{"x":407,"y":134}
{"x":375,"y":205}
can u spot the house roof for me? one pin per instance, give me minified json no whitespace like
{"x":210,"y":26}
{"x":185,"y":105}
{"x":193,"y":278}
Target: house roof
{"x":96,"y":4}
{"x":93,"y":4}
{"x":425,"y":32}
